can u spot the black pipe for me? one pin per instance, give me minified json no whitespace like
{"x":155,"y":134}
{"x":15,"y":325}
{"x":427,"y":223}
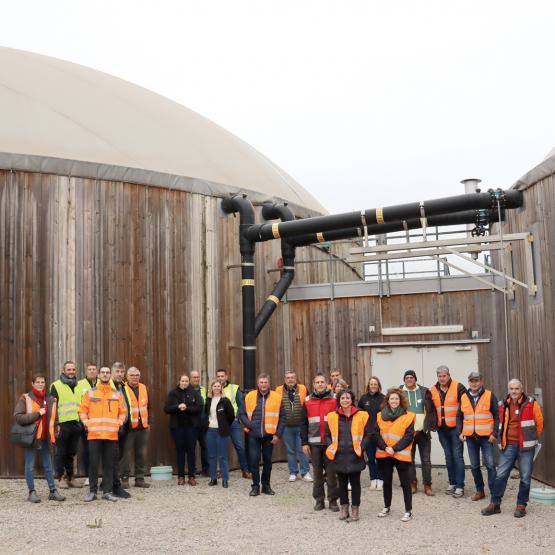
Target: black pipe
{"x":245,"y":208}
{"x":379,"y":216}
{"x":478,"y":217}
{"x":284,"y":213}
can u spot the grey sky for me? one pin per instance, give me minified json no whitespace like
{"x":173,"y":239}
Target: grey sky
{"x":364,"y":103}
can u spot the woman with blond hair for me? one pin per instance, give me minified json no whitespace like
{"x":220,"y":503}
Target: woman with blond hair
{"x":372,"y":402}
{"x":220,"y":416}
{"x":394,"y":433}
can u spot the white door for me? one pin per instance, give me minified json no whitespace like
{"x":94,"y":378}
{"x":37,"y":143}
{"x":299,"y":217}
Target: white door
{"x":389,"y":364}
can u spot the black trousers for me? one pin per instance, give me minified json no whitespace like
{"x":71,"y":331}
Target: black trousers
{"x":102,"y":450}
{"x":85,"y":444}
{"x":67,"y":444}
{"x":203,"y":451}
{"x":344,"y":479}
{"x":258,"y":445}
{"x":323,"y":474}
{"x":424,"y":442}
{"x":403,"y":469}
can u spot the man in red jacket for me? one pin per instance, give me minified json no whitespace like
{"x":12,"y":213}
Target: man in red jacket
{"x":313,"y":437}
{"x":521,"y":424}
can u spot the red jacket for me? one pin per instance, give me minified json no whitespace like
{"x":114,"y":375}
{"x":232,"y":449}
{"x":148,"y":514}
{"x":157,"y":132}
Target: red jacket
{"x":313,"y":423}
{"x":531,"y":422}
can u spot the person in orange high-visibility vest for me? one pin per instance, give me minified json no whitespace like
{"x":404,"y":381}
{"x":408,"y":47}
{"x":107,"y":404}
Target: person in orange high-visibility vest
{"x":446,"y":396}
{"x":347,"y":431}
{"x":32,"y":407}
{"x":521,"y":426}
{"x":139,"y":422}
{"x":394,"y":435}
{"x":478,"y":426}
{"x":263,"y":417}
{"x":102,"y":412}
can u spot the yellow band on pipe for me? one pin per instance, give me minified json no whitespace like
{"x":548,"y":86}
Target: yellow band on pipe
{"x":320,"y":237}
{"x":247,"y":282}
{"x":275,"y":231}
{"x":379,"y":216}
{"x":273,"y":298}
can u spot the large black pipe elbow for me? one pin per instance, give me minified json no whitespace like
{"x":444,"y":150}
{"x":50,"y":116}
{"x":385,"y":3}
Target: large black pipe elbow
{"x":242,"y":205}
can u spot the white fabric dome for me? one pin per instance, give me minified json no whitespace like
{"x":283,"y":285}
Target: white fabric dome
{"x":60,"y":117}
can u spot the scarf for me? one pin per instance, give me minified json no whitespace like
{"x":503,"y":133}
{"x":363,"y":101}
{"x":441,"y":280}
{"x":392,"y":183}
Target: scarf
{"x":323,"y":395}
{"x":389,"y":414}
{"x":72,"y":382}
{"x":41,"y":400}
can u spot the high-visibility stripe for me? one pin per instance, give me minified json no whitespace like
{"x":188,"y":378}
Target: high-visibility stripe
{"x":313,"y":440}
{"x":532,"y":443}
{"x":526,"y":423}
{"x":268,"y":413}
{"x":107,"y":420}
{"x":93,"y":429}
{"x":313,"y":419}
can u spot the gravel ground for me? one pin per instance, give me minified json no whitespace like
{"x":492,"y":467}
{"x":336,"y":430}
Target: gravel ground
{"x":171,"y":519}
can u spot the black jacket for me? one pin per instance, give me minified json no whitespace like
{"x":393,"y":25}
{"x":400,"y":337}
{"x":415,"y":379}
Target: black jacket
{"x":191,"y":416}
{"x":224,"y":413}
{"x":346,"y":460}
{"x":372,"y":404}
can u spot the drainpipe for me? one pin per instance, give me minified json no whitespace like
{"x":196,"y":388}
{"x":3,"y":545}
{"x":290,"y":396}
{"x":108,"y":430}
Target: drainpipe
{"x":284,"y":213}
{"x":244,"y":207}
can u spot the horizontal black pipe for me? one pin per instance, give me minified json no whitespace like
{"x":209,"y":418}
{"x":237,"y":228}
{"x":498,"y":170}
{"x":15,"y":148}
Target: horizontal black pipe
{"x":477,"y":217}
{"x":380,"y":216}
{"x":284,"y":213}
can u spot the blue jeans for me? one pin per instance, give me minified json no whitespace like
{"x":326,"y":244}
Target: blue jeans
{"x":46,"y":460}
{"x":292,"y":440}
{"x":238,"y":440}
{"x":217,"y":445}
{"x":509,"y":456}
{"x":373,"y":468}
{"x":453,"y":449}
{"x":475,"y":444}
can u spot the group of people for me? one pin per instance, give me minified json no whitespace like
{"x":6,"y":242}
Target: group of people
{"x":110,"y":410}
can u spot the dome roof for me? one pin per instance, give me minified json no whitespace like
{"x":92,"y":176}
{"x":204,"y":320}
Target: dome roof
{"x":60,"y":117}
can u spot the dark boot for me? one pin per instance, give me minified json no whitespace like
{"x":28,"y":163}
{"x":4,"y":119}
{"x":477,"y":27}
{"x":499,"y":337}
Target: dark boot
{"x":267,"y":490}
{"x":225,"y":484}
{"x":319,"y":506}
{"x":125,"y":482}
{"x":255,"y":490}
{"x":520,"y":511}
{"x":213,"y":483}
{"x":491,"y":509}
{"x":141,"y":483}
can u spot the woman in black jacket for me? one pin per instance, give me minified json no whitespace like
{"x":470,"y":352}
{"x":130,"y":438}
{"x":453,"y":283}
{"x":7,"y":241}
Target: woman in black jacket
{"x":220,"y":415}
{"x":372,"y":402}
{"x":347,"y":430}
{"x":184,"y":405}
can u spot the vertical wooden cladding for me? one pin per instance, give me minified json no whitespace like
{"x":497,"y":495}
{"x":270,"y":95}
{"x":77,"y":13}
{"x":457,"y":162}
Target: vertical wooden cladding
{"x":98,"y":271}
{"x":531,"y":321}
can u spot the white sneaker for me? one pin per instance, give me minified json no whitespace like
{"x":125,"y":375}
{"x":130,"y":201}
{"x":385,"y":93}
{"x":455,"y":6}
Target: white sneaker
{"x":349,"y":488}
{"x":384,"y":512}
{"x":307,"y":477}
{"x":459,"y":492}
{"x":406,"y":517}
{"x":373,"y":484}
{"x":379,"y":484}
{"x":86,"y":482}
{"x":450,"y":490}
{"x":292,"y":477}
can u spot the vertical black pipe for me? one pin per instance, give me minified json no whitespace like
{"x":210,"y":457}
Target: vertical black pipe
{"x":272,"y":212}
{"x":246,"y":218}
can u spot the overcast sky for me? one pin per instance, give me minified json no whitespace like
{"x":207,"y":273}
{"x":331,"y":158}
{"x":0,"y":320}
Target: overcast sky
{"x":365,"y":103}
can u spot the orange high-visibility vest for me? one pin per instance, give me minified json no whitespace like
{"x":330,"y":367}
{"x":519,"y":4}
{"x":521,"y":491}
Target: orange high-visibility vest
{"x":392,"y":431}
{"x":300,"y":388}
{"x":271,"y":408}
{"x":477,"y":420}
{"x":32,"y":406}
{"x":138,"y":407}
{"x":102,"y":411}
{"x":359,"y":420}
{"x":450,"y":406}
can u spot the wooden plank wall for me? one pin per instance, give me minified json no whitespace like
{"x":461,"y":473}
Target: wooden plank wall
{"x":531,"y":321}
{"x":98,"y":271}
